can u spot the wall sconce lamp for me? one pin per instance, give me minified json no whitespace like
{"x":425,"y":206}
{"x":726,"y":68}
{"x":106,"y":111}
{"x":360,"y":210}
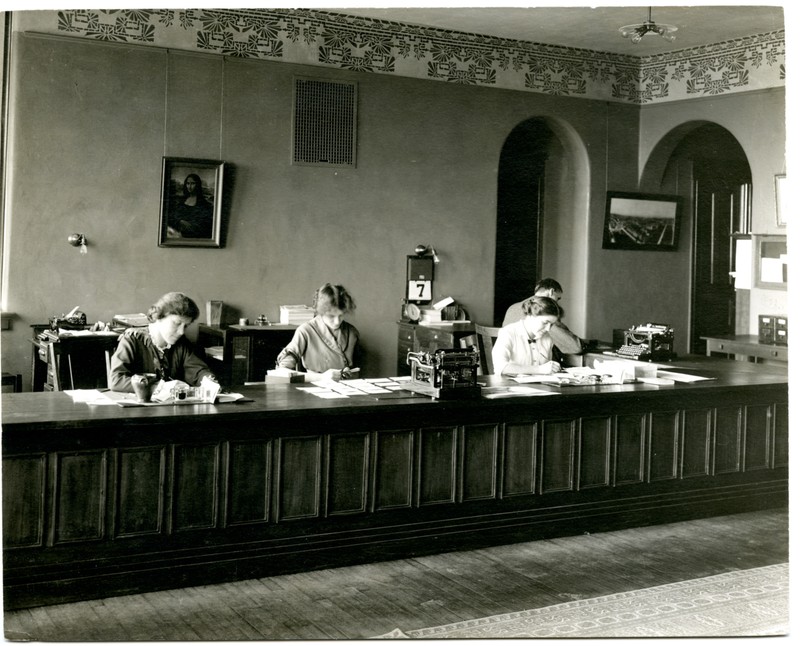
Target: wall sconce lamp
{"x":422,"y":250}
{"x":78,"y":240}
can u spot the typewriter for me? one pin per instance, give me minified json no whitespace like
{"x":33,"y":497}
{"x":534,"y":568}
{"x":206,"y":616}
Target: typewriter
{"x":445,"y":373}
{"x":648,"y":342}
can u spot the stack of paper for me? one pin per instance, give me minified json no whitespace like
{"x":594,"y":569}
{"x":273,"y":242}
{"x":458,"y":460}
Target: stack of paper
{"x":296,"y":314}
{"x":430,"y":315}
{"x":131,"y":320}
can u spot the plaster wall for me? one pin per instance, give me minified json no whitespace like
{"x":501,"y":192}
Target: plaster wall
{"x":758,"y":122}
{"x":90,"y":123}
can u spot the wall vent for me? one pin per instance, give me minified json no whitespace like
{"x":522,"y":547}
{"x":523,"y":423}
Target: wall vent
{"x":324,"y":123}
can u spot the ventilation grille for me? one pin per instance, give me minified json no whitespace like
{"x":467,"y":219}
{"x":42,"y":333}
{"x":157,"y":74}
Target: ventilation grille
{"x":324,"y":123}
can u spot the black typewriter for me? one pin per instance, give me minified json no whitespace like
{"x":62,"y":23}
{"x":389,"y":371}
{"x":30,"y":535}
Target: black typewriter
{"x":445,"y":373}
{"x":648,"y":342}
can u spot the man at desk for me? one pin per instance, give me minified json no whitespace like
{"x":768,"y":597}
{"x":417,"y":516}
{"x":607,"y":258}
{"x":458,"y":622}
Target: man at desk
{"x":563,"y":338}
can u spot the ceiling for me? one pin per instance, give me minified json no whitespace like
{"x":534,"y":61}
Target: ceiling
{"x":587,"y":27}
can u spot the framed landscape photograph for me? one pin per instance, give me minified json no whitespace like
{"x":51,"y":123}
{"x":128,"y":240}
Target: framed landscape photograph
{"x":191,"y":202}
{"x":641,"y":221}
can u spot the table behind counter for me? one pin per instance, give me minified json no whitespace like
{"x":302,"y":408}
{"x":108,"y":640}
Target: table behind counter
{"x":106,"y":500}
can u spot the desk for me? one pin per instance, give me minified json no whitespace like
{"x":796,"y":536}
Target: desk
{"x":241,"y":353}
{"x":415,"y":337}
{"x":746,"y":345}
{"x":105,"y":500}
{"x":70,"y":361}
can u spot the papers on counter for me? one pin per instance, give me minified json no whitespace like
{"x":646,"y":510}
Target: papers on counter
{"x":329,"y":389}
{"x":91,"y":397}
{"x":682,"y":377}
{"x":110,"y":398}
{"x":514,"y":391}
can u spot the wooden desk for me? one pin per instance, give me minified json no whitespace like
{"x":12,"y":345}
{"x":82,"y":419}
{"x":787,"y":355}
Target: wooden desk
{"x":70,"y":361}
{"x":746,"y":346}
{"x":415,"y":337}
{"x":105,"y":500}
{"x":242,"y":352}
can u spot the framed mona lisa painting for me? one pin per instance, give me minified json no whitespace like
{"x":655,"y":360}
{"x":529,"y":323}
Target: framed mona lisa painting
{"x":191,"y":202}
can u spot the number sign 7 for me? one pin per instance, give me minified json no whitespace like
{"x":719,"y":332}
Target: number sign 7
{"x":419,"y":290}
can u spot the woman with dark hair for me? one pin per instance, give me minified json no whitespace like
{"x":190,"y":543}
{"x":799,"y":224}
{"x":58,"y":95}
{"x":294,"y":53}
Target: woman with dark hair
{"x":327,"y":344}
{"x":526,"y":347}
{"x":161,"y":347}
{"x":193,"y":215}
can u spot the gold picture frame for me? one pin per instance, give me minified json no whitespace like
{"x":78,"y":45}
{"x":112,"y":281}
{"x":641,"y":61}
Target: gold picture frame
{"x":191,"y":202}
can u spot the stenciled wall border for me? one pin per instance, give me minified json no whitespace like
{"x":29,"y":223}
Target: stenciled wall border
{"x":369,"y":45}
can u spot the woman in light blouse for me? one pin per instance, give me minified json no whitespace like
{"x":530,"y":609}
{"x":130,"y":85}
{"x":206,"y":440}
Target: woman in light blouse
{"x":525,"y":347}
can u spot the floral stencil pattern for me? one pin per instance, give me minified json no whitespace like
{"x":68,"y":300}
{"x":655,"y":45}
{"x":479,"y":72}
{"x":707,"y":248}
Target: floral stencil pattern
{"x":378,"y":46}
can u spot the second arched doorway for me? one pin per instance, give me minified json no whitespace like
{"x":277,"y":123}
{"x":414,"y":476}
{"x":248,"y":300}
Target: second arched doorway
{"x":542,"y":215}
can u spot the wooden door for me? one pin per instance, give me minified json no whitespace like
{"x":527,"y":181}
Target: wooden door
{"x":719,"y":200}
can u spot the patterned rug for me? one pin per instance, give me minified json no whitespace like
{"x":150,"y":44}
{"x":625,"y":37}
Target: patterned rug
{"x":743,"y":603}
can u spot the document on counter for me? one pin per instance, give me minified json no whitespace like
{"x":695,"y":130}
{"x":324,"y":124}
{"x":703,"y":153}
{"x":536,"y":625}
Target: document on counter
{"x":91,"y":397}
{"x":496,"y":392}
{"x":682,"y":377}
{"x":322,"y":392}
{"x":330,"y":389}
{"x":110,"y":398}
{"x":537,"y":379}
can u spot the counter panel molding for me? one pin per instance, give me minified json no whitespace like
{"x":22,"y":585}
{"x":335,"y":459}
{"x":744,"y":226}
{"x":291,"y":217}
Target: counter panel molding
{"x":127,"y":500}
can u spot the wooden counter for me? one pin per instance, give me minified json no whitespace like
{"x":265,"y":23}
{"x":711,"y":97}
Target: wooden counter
{"x":99,"y":501}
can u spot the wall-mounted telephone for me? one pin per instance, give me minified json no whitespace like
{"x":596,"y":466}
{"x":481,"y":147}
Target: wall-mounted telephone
{"x":648,"y":342}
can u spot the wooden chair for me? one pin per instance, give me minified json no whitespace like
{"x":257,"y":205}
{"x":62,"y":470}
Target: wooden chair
{"x":108,"y":368}
{"x":486,"y":338}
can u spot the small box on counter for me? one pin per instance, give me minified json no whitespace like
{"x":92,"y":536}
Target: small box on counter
{"x":285,"y":376}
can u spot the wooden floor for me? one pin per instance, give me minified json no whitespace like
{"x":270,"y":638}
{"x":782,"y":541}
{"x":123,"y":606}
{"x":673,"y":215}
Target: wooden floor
{"x":370,"y":600}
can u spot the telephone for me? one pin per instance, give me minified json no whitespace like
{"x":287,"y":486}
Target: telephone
{"x":648,"y":342}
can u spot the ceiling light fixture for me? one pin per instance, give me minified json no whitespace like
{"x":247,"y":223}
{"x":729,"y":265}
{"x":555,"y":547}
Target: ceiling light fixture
{"x":637,"y":32}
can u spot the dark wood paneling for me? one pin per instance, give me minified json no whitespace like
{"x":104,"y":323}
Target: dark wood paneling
{"x":140,"y":491}
{"x":558,"y":455}
{"x":330,"y":460}
{"x":664,"y":436}
{"x":594,"y":452}
{"x":781,"y":444}
{"x":23,"y":501}
{"x":348,"y":468}
{"x":629,"y":449}
{"x":757,"y":437}
{"x":394,"y":464}
{"x":479,"y":462}
{"x":299,"y":477}
{"x":249,"y":478}
{"x":195,"y":490}
{"x":728,"y":440}
{"x":519,"y":459}
{"x":696,"y":449}
{"x":437,"y":466}
{"x":80,"y":480}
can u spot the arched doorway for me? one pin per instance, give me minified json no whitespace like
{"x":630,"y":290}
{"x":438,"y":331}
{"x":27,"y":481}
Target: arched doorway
{"x":520,"y":206}
{"x":542,"y":216}
{"x":710,"y":169}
